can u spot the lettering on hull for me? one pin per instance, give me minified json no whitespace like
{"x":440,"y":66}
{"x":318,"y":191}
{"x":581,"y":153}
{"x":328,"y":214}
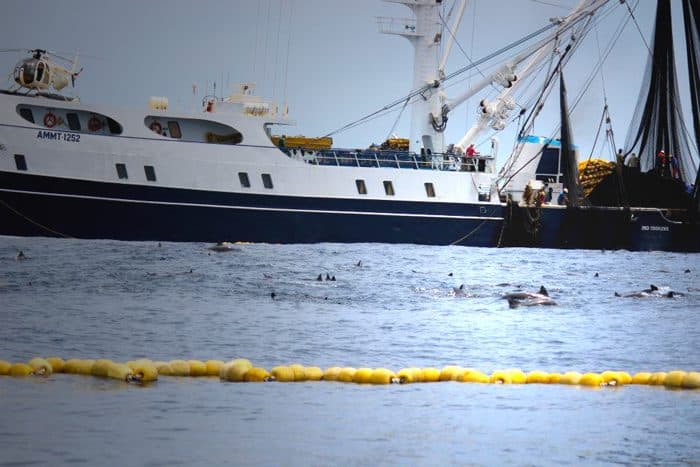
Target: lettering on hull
{"x":58,"y":136}
{"x":655,"y":228}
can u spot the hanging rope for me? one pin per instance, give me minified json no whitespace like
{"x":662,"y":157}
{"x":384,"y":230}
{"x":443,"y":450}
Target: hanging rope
{"x":32,"y":221}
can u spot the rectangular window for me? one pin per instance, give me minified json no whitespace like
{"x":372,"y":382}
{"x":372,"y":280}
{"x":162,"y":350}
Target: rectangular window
{"x":174,"y":129}
{"x":388,"y":188}
{"x":26,"y":114}
{"x":150,"y":173}
{"x":73,"y":121}
{"x":20,"y":162}
{"x":245,"y":181}
{"x":361,"y":188}
{"x":430,"y":190}
{"x":267,"y":180}
{"x":121,"y":171}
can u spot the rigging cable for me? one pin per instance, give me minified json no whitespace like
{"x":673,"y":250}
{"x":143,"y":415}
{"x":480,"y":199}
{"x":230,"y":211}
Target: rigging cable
{"x":471,"y":53}
{"x":257,"y":30}
{"x":398,"y":117}
{"x":646,"y":44}
{"x":421,"y":90}
{"x":277,"y":53}
{"x":267,"y":35}
{"x":577,"y":100}
{"x":289,"y":44}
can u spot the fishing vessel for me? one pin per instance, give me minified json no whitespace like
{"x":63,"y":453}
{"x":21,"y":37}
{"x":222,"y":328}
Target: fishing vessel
{"x":233,"y":172}
{"x":646,"y":198}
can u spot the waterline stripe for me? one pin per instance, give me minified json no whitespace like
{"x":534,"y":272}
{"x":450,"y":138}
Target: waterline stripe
{"x":253,"y":208}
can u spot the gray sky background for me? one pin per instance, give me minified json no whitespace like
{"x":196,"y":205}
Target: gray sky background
{"x":328,"y":54}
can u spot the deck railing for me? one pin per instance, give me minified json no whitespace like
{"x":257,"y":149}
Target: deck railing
{"x":391,"y":159}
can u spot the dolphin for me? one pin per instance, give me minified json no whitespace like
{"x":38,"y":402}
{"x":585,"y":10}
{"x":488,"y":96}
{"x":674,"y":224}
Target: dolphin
{"x":459,"y":291}
{"x":517,"y":299}
{"x":652,"y":291}
{"x":221,"y":247}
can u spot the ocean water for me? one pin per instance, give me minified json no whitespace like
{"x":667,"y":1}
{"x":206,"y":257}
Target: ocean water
{"x":397,"y":308}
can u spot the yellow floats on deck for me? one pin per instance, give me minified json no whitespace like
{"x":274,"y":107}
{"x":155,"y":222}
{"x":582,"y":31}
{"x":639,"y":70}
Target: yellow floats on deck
{"x":243,"y":370}
{"x":303,"y":142}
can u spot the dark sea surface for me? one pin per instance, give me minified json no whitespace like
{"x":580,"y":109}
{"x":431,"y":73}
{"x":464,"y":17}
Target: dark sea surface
{"x":122,"y":300}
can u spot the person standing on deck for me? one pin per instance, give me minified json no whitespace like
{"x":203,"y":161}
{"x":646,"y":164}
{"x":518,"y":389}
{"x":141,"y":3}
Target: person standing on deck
{"x":620,"y":158}
{"x":673,"y":167}
{"x":661,"y":163}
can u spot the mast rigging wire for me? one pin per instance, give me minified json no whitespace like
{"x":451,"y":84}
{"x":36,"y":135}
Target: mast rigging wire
{"x":421,"y":90}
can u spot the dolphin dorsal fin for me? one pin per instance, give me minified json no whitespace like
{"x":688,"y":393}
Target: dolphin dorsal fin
{"x":543,"y":291}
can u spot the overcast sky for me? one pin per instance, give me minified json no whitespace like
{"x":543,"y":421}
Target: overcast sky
{"x":327,"y":54}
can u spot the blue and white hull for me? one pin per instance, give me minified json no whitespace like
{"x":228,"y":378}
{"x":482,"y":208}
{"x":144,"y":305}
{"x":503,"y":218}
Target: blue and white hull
{"x":50,"y":206}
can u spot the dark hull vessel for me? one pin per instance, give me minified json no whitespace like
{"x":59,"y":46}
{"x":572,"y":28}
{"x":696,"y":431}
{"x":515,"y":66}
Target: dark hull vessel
{"x":598,"y":227}
{"x":49,"y":206}
{"x":650,"y":201}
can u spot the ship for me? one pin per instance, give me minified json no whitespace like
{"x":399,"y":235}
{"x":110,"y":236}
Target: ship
{"x":233,"y":171}
{"x":646,"y":198}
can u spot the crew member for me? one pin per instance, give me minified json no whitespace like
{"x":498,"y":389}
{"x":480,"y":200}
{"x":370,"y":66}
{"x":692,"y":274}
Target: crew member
{"x":661,"y":162}
{"x":563,"y":197}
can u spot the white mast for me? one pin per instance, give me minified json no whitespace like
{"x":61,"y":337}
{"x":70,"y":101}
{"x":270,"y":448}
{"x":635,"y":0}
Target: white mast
{"x":425,"y":33}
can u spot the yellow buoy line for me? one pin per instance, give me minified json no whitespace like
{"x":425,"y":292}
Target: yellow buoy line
{"x":242,"y":370}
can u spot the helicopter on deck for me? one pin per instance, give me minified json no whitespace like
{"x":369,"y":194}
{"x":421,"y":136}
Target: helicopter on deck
{"x":41,"y":73}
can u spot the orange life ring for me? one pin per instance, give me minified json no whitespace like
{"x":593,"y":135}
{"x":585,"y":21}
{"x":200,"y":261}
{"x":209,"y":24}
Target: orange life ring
{"x":94,"y":124}
{"x":50,"y":120}
{"x":155,"y":127}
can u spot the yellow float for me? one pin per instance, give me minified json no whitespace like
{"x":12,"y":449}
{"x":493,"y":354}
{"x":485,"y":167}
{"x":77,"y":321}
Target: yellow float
{"x":591,"y":379}
{"x":214,"y":367}
{"x":56,"y":364}
{"x":691,"y":380}
{"x":537,"y":377}
{"x":657,"y":379}
{"x":409,"y":375}
{"x":430,"y":375}
{"x":197,"y":368}
{"x":144,"y":371}
{"x":331,"y":374}
{"x":256,"y":375}
{"x":674,"y":379}
{"x":40,"y":366}
{"x":500,"y":377}
{"x":120,"y":371}
{"x":451,"y":373}
{"x":554,"y":378}
{"x":299,"y":372}
{"x":179,"y":368}
{"x":570,"y":377}
{"x":475,"y":376}
{"x":20,"y":369}
{"x":362,"y":376}
{"x":382,"y":376}
{"x":101,"y":368}
{"x":283,"y":374}
{"x":346,"y":374}
{"x":642,"y":377}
